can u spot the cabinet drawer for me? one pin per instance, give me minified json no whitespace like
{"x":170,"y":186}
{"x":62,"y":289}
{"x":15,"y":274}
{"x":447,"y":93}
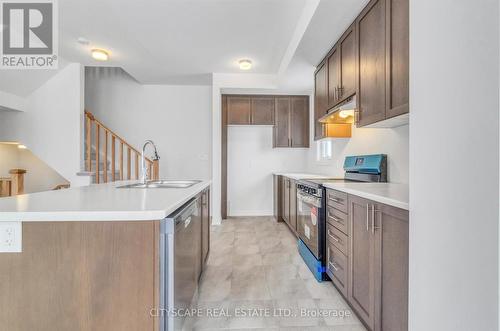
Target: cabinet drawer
{"x":337,"y":200}
{"x":336,"y":238}
{"x":337,"y":268}
{"x":338,"y":219}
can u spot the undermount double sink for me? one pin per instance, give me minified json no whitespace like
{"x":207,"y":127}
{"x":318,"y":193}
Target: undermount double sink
{"x":163,"y":184}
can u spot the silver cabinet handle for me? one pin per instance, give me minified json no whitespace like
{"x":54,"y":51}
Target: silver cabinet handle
{"x":338,"y":220}
{"x":334,"y":266}
{"x":374,"y":227}
{"x":333,"y":237}
{"x":367,"y":217}
{"x":338,"y":200}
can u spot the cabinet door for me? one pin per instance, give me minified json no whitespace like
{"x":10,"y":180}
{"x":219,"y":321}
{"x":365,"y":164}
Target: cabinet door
{"x":398,"y":44}
{"x":286,"y":200}
{"x":299,"y":115}
{"x":282,"y":124}
{"x":293,"y":204}
{"x":333,"y":77}
{"x":371,"y":100}
{"x":205,"y":226}
{"x":347,"y":49}
{"x":262,"y":110}
{"x":197,"y":236}
{"x":361,"y":289}
{"x":320,"y":99}
{"x":238,"y":110}
{"x":278,"y":197}
{"x":391,"y":233}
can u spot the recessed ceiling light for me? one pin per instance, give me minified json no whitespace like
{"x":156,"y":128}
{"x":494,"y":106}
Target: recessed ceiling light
{"x":245,"y":64}
{"x":100,"y":54}
{"x":21,"y":146}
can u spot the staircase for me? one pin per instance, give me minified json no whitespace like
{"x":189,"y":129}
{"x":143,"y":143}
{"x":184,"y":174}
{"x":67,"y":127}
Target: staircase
{"x":109,"y":158}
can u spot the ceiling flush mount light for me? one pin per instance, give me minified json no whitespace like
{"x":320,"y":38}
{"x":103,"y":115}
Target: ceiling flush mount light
{"x":21,"y":146}
{"x":83,"y":41}
{"x":100,"y":54}
{"x":245,"y":64}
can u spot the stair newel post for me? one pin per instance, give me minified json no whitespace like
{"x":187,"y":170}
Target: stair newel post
{"x":88,"y":139}
{"x":129,"y":163}
{"x":97,"y":149}
{"x":105,"y":168}
{"x":136,"y":165}
{"x":113,"y":166}
{"x":121,"y":160}
{"x":17,"y":183}
{"x":156,"y":169}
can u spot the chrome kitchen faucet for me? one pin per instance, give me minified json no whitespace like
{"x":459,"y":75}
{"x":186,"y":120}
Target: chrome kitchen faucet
{"x":144,"y":174}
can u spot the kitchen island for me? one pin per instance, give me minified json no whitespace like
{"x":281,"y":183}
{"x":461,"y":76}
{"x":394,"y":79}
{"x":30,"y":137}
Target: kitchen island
{"x":102,"y":257}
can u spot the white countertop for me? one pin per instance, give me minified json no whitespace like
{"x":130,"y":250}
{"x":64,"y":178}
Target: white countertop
{"x":297,"y":175}
{"x":102,"y":202}
{"x":396,"y":195}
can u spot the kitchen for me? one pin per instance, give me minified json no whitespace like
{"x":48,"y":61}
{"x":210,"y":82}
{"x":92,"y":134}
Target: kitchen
{"x":332,"y":204}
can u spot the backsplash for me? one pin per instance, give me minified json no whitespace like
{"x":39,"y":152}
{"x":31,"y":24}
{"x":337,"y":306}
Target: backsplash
{"x":393,"y":142}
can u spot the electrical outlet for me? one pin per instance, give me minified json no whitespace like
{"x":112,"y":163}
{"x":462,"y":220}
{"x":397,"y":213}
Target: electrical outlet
{"x":11,"y":235}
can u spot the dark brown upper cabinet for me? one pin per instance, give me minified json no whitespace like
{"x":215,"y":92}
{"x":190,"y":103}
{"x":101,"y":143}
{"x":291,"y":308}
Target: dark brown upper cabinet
{"x":238,"y":110}
{"x":342,"y":68}
{"x":371,"y":60}
{"x":291,"y":127}
{"x":383,"y":61}
{"x":347,"y":48}
{"x":398,"y":55}
{"x":250,"y":110}
{"x":333,"y":77}
{"x":262,"y":110}
{"x":371,"y":99}
{"x":320,"y":99}
{"x":299,"y":121}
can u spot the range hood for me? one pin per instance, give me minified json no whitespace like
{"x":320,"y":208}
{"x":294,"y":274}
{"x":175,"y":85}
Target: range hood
{"x":342,"y":113}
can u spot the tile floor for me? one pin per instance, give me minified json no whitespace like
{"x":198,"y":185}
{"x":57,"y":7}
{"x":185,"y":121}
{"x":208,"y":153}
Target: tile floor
{"x":256,"y":280}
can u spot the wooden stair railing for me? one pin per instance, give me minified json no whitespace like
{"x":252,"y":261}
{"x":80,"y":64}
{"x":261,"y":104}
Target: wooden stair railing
{"x":132,"y":153}
{"x":13,"y":185}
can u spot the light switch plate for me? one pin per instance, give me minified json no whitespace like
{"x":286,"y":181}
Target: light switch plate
{"x":11,"y":237}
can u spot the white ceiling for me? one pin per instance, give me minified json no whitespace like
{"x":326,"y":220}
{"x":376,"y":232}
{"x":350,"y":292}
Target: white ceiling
{"x":331,"y":19}
{"x":157,"y":41}
{"x":184,"y":41}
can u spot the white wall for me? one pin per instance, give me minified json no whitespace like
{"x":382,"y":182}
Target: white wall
{"x":454,"y":168}
{"x":39,"y":176}
{"x":393,"y":142}
{"x":251,"y":163}
{"x":176,"y":118}
{"x":51,"y":124}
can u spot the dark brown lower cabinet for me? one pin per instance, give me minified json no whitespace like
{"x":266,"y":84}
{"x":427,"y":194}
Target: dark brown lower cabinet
{"x":205,"y":226}
{"x":391,"y":254}
{"x":278,"y":197}
{"x":293,"y":204}
{"x":361,"y":290}
{"x":378,"y":265}
{"x":286,"y":200}
{"x":289,"y":202}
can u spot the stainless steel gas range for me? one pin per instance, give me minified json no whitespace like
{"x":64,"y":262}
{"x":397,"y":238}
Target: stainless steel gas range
{"x":311,"y":207}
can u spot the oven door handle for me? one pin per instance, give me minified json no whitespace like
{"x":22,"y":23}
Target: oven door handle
{"x":310,"y":200}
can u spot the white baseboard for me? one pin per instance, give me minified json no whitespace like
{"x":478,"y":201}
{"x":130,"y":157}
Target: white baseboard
{"x":240,"y":213}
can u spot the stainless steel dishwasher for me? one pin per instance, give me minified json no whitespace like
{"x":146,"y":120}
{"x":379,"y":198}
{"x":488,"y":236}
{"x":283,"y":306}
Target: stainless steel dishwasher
{"x":180,"y":263}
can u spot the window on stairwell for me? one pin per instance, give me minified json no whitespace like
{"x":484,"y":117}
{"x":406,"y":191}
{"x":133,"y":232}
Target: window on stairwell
{"x":324,"y":150}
